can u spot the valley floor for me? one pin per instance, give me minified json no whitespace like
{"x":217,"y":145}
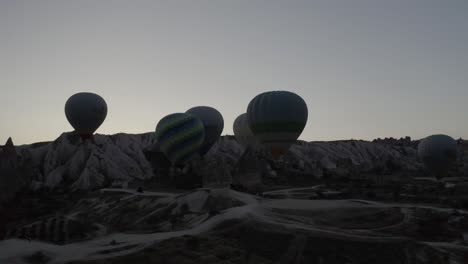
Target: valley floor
{"x":225,"y":226}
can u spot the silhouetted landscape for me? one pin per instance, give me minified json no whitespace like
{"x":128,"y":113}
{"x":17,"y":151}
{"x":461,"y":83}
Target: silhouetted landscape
{"x":112,"y":201}
{"x":222,"y":132}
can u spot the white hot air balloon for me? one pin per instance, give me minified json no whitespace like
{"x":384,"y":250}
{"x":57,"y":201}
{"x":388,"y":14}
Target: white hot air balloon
{"x":242,"y":131}
{"x":438,"y":153}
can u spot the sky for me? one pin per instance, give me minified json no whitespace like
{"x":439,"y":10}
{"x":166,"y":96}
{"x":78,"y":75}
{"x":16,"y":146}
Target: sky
{"x":366,"y":69}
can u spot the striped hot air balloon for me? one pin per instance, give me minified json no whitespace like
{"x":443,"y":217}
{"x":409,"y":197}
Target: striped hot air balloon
{"x":212,"y":121}
{"x":180,"y":137}
{"x":438,"y":152}
{"x":242,"y":131}
{"x":277,"y":119}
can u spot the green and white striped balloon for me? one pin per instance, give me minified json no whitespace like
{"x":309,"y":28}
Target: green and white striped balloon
{"x":277,"y":119}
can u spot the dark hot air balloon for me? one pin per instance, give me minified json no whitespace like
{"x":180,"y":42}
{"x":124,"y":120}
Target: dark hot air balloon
{"x":212,"y":121}
{"x":85,"y":112}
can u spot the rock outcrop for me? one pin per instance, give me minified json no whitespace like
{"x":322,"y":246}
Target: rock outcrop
{"x":68,"y":161}
{"x":15,"y":171}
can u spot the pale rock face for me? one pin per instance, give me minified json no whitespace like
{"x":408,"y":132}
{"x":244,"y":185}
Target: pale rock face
{"x":70,"y":162}
{"x":91,"y":164}
{"x":362,"y":154}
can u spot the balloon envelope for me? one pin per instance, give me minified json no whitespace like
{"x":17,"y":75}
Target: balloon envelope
{"x":277,"y":119}
{"x":242,"y":131}
{"x":85,"y":112}
{"x":438,"y":152}
{"x":213,"y":123}
{"x":180,"y":137}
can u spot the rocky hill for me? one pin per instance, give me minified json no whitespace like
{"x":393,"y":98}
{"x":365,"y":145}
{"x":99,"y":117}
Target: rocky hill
{"x":70,"y":162}
{"x":89,"y":164}
{"x":320,"y":221}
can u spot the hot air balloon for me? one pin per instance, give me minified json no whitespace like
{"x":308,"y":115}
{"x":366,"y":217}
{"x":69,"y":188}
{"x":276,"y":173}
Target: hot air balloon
{"x":277,"y":119}
{"x":212,"y":121}
{"x":438,"y":152}
{"x":180,"y":137}
{"x":242,"y":131}
{"x":85,"y":112}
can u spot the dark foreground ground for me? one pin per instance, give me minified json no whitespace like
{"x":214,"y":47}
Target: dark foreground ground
{"x":331,"y":222}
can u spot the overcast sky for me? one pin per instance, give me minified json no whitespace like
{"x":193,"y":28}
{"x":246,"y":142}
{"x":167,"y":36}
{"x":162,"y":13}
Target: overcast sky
{"x":366,"y":69}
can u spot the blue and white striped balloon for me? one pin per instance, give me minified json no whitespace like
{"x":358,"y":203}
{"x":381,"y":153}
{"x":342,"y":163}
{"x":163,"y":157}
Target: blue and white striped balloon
{"x":180,"y":137}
